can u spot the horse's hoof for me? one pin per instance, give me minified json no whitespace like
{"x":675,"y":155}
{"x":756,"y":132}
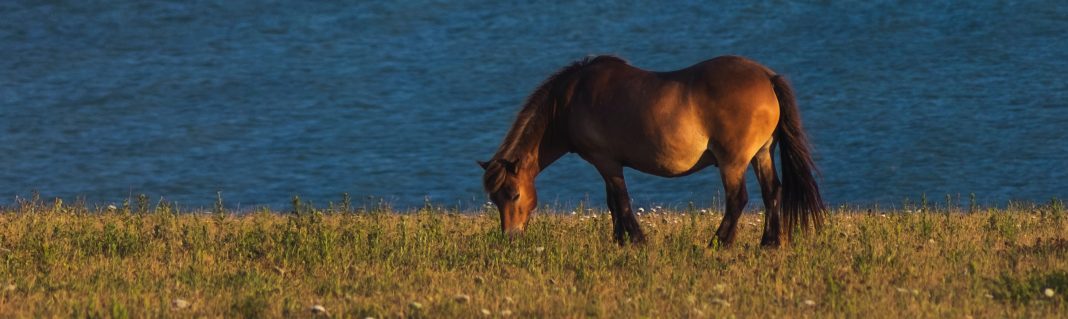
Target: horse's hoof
{"x":771,"y":239}
{"x":719,"y":243}
{"x":770,"y":243}
{"x":638,"y":240}
{"x":624,"y":239}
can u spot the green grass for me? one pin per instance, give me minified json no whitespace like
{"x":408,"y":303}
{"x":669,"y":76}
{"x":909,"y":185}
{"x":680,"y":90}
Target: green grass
{"x":59,"y":260}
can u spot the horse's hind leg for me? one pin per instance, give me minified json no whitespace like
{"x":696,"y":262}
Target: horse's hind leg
{"x":733,"y":175}
{"x":764,"y":167}
{"x":623,"y":220}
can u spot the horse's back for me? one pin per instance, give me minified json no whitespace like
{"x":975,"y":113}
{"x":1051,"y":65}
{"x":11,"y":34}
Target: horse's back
{"x":727,"y":77}
{"x":671,"y":123}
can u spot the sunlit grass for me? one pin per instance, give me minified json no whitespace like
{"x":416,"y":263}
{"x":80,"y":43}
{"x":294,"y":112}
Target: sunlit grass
{"x":145,"y":259}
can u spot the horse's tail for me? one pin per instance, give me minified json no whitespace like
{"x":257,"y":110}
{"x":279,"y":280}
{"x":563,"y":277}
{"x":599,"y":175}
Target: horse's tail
{"x":801,"y":202}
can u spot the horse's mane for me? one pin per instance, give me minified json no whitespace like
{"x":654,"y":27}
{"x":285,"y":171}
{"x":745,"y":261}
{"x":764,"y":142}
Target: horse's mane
{"x":537,"y":114}
{"x":543,"y":105}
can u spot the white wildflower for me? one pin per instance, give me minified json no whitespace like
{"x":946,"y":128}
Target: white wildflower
{"x":319,"y":310}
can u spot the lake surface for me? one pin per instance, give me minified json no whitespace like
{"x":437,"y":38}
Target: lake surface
{"x":395,"y":100}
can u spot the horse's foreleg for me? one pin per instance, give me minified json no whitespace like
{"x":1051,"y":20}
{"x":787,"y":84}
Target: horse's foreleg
{"x":625,"y":225}
{"x":734,"y":185}
{"x":771,"y":193}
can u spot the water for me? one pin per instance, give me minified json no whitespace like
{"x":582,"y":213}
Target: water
{"x":396,"y":100}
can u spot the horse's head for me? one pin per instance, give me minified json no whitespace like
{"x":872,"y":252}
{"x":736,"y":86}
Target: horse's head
{"x":512,"y":192}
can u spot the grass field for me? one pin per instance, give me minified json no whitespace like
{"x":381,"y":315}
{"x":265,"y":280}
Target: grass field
{"x":141,"y":260}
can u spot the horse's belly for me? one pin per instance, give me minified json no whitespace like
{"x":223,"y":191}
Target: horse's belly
{"x":674,"y":161}
{"x":681,"y":147}
{"x":674,"y":148}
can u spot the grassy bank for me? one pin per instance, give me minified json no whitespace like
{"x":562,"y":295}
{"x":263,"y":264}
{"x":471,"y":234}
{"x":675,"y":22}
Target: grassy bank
{"x":62,"y":260}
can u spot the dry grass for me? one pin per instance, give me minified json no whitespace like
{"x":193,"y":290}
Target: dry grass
{"x":60,"y":260}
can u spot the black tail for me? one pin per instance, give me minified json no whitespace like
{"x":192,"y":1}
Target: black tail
{"x":801,"y":202}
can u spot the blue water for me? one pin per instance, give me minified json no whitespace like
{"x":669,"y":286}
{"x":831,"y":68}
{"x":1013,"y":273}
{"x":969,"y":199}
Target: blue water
{"x":395,"y":100}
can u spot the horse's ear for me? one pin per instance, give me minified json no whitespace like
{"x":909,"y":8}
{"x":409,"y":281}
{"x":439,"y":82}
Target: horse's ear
{"x":484,"y":165}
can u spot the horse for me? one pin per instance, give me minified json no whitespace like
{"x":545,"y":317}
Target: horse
{"x":728,"y":111}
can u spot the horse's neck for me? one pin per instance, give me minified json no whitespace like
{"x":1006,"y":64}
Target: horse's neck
{"x":544,"y":147}
{"x":537,"y":139}
{"x":550,"y":149}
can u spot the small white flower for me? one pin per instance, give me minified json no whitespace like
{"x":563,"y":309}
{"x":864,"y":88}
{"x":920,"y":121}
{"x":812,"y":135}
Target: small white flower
{"x":809,"y":302}
{"x":112,"y":207}
{"x":179,"y":303}
{"x":318,"y":310}
{"x":1049,"y":292}
{"x":486,"y":312}
{"x":539,"y":249}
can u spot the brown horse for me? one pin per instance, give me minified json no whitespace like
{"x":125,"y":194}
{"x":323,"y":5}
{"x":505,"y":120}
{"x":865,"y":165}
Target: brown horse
{"x":728,"y":112}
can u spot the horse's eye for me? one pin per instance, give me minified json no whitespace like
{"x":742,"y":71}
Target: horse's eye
{"x":514,"y":196}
